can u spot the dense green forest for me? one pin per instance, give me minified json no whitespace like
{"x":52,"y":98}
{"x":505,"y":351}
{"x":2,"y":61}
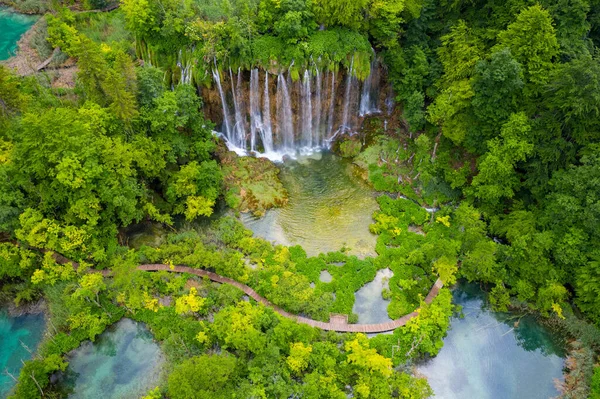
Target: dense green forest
{"x":499,"y":129}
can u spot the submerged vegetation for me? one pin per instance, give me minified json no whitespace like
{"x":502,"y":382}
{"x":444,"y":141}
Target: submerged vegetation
{"x":490,"y":173}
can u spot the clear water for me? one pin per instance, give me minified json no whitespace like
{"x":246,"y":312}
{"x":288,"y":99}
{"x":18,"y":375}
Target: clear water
{"x":124,"y":363}
{"x":329,"y":208}
{"x":16,"y":335}
{"x":12,"y":27}
{"x":484,"y":357}
{"x":325,"y":276}
{"x":369,"y":305}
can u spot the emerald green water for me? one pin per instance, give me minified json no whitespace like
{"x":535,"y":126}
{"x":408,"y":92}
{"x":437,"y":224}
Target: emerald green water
{"x":329,"y":208}
{"x":12,"y":27}
{"x":17,"y":335}
{"x":487,"y":356}
{"x":124,"y":362}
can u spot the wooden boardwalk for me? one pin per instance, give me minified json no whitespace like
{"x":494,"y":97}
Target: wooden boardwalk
{"x":337,"y":323}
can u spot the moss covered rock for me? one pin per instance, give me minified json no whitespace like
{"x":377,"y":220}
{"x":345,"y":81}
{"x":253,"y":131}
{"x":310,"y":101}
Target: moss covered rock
{"x":251,"y":184}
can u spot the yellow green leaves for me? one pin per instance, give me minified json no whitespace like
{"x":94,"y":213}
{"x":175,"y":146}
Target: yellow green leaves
{"x":297,"y":361}
{"x":459,"y":53}
{"x":202,"y":337}
{"x":445,"y":220}
{"x":52,"y":272}
{"x":239,"y":327}
{"x":360,"y":355}
{"x":348,"y":13}
{"x":532,"y":40}
{"x":90,"y":286}
{"x":383,"y":223}
{"x":69,"y":172}
{"x":446,"y":268}
{"x":189,"y":184}
{"x":423,"y":334}
{"x":40,"y":232}
{"x":198,"y":206}
{"x":385,"y":20}
{"x":138,"y":15}
{"x":5,"y":150}
{"x":190,"y":303}
{"x":150,"y":302}
{"x":15,"y":261}
{"x":92,"y":324}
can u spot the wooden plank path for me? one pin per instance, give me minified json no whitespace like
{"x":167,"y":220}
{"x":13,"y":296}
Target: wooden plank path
{"x":337,"y":323}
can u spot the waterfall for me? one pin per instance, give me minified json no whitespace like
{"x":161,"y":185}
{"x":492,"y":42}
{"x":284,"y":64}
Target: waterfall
{"x":226,"y":122}
{"x":307,"y":114}
{"x":344,"y":125}
{"x":186,"y":69}
{"x":267,"y":130}
{"x":241,"y":118}
{"x":369,"y":99}
{"x":255,"y":116}
{"x":284,"y":114}
{"x":307,"y":126}
{"x":238,"y":128}
{"x":370,"y":92}
{"x":317,"y":109}
{"x":389,"y":101}
{"x":331,"y":107}
{"x":365,"y":97}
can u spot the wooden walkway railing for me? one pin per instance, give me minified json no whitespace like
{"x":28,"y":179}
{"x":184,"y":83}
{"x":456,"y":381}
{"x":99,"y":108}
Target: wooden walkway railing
{"x":336,"y":325}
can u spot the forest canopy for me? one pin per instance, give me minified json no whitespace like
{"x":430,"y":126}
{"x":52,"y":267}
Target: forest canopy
{"x":497,"y":131}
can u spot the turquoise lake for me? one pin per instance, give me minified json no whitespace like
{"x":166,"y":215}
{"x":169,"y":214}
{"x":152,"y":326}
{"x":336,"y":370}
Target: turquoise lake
{"x":485,"y":356}
{"x":12,"y":27}
{"x":18,"y":336}
{"x":124,"y":362}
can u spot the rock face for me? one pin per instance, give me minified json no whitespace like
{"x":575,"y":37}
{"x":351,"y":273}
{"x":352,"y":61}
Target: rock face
{"x":265,"y":112}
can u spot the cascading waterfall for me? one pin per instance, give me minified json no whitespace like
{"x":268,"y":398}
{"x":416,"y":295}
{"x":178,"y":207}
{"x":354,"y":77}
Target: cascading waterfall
{"x":307,"y":125}
{"x":331,"y":107}
{"x":225,"y":108}
{"x":267,"y":131}
{"x":185,"y":66}
{"x":284,"y":114}
{"x":306,"y":114}
{"x":370,"y":91}
{"x":344,"y":125}
{"x":238,"y":127}
{"x":317,"y":109}
{"x":255,"y":115}
{"x":389,"y":100}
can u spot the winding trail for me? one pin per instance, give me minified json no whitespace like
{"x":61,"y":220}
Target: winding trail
{"x":338,"y":322}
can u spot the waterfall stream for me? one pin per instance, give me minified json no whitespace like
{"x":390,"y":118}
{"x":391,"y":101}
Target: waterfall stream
{"x":306,"y":115}
{"x":307,"y":125}
{"x":344,"y":125}
{"x":267,"y":132}
{"x":226,"y":121}
{"x":317,"y":109}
